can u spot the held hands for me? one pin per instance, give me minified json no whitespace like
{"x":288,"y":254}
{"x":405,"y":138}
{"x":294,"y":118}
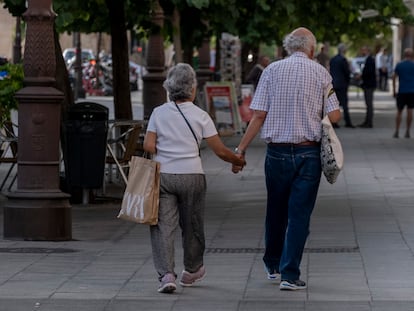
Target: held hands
{"x":237,"y":167}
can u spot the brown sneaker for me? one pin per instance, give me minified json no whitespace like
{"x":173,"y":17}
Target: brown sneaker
{"x":188,"y":278}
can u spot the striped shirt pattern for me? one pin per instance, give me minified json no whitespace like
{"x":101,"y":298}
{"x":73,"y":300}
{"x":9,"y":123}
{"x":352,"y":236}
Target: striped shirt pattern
{"x":291,"y":91}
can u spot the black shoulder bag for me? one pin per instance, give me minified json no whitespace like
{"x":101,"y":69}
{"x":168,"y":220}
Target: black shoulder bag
{"x":191,"y":129}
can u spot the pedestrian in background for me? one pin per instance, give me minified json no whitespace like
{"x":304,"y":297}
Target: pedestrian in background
{"x":383,"y":70}
{"x":254,"y":75}
{"x":288,"y":109}
{"x":323,"y":57}
{"x":404,"y":72}
{"x":341,"y":76}
{"x":369,"y":83}
{"x":176,"y":145}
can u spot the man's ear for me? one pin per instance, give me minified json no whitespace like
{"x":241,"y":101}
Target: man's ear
{"x":312,"y":52}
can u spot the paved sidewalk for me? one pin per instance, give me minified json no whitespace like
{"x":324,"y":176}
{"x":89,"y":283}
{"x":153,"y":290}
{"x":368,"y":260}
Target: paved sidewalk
{"x":359,"y":255}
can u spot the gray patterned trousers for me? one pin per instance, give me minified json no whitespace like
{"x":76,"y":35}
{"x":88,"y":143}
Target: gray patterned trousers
{"x":182,"y":202}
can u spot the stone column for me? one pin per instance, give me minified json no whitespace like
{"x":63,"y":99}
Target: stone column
{"x":153,"y":92}
{"x":37,"y":209}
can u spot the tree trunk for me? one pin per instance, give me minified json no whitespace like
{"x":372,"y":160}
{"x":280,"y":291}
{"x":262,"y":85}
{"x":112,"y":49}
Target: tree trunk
{"x":62,"y":79}
{"x":98,"y":60}
{"x":177,"y":37}
{"x":17,"y":46}
{"x":79,"y":91}
{"x":188,"y":55}
{"x":217,"y":67}
{"x":120,"y":60}
{"x":63,"y":85}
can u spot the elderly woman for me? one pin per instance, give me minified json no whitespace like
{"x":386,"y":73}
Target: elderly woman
{"x":174,"y":133}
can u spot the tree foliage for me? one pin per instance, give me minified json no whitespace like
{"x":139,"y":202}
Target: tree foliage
{"x":81,"y":16}
{"x":255,"y":22}
{"x":11,"y":80}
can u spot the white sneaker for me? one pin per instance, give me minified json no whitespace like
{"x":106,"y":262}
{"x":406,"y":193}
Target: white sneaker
{"x":292,"y":285}
{"x":272,"y":275}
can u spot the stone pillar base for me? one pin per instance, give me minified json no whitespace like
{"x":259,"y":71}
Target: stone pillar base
{"x":38,"y":217}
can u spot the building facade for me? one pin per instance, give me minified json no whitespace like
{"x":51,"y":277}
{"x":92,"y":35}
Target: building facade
{"x":7,"y":33}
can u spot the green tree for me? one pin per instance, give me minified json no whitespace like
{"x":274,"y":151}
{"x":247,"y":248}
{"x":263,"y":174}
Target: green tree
{"x":11,"y":80}
{"x":258,"y":22}
{"x":268,"y":21}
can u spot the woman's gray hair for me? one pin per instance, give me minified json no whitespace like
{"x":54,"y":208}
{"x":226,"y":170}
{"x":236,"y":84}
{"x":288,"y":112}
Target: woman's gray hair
{"x":302,"y":42}
{"x":181,"y":79}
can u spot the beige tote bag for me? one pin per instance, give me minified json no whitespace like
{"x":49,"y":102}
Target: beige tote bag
{"x":141,"y":197}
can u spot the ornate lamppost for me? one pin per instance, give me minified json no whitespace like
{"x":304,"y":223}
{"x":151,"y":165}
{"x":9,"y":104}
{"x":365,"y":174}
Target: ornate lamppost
{"x":153,"y":92}
{"x":37,"y":209}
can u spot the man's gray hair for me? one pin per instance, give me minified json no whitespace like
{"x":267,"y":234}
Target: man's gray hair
{"x":181,"y":79}
{"x":295,"y":42}
{"x":341,"y":48}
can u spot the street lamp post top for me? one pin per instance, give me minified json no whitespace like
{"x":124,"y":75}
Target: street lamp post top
{"x":40,"y":8}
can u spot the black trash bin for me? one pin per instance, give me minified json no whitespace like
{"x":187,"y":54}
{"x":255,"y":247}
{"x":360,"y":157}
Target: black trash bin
{"x":86,"y":133}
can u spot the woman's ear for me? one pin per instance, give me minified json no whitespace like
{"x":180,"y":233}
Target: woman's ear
{"x":193,"y":93}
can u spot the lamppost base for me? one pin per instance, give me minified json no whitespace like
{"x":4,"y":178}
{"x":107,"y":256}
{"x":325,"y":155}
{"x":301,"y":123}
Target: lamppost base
{"x":37,"y":217}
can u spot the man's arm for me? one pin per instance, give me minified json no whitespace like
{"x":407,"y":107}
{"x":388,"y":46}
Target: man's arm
{"x":394,"y":84}
{"x":254,"y":127}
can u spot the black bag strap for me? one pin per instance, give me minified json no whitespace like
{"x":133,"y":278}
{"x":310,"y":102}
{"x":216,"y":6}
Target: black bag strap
{"x":191,"y":129}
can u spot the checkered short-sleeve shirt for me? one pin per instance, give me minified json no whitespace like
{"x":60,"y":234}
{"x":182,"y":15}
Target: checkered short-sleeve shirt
{"x":291,"y":91}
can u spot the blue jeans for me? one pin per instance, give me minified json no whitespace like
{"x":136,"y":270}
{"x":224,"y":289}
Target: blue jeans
{"x":293,"y":174}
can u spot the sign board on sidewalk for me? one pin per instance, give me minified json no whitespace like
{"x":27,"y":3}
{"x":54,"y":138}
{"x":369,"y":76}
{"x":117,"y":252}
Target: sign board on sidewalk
{"x":221,"y":103}
{"x":247,"y":91}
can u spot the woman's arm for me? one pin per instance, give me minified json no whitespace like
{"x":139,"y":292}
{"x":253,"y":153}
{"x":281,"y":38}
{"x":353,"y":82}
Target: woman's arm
{"x":224,"y":153}
{"x":150,"y":142}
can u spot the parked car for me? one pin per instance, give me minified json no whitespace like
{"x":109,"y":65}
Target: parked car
{"x":135,"y":72}
{"x":70,"y":53}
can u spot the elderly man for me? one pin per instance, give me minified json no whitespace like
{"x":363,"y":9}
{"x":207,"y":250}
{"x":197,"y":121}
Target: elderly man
{"x":288,"y":109}
{"x":341,"y":75}
{"x":369,"y":83}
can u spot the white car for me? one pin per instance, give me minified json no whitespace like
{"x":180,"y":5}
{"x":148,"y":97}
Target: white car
{"x":69,"y":55}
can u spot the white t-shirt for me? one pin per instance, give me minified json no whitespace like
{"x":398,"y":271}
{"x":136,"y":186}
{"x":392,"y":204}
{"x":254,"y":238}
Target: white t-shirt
{"x":177,"y":150}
